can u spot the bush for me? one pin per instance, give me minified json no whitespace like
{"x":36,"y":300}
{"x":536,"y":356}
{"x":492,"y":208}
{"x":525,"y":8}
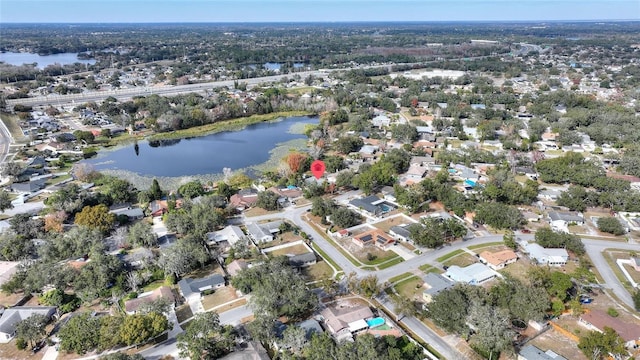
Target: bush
{"x":610,"y":225}
{"x":612,"y":312}
{"x":21,"y":343}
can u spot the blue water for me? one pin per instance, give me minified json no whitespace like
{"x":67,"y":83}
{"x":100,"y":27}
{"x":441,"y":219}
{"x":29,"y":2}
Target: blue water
{"x":375,"y":322}
{"x":385,"y":207}
{"x":18,"y":59}
{"x":202,"y":155}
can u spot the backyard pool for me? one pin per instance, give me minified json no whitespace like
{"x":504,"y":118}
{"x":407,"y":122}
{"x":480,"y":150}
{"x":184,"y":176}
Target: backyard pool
{"x":378,"y":321}
{"x":386,"y":208}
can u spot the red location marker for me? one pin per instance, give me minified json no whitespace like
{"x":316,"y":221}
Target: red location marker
{"x":317,"y":168}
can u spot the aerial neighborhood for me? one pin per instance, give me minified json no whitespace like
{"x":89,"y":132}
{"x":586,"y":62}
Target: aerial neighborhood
{"x":479,"y":195}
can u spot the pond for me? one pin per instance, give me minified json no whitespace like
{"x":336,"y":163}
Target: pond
{"x":203,"y":155}
{"x":14,"y":58}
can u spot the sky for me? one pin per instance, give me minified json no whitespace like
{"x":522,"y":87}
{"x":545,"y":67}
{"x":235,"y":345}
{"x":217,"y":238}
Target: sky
{"x":144,"y":11}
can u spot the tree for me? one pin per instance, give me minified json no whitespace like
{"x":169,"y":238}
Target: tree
{"x":610,"y":225}
{"x":96,"y":217}
{"x":53,"y":221}
{"x":404,"y":307}
{"x":268,"y":200}
{"x":636,"y":300}
{"x":597,"y":345}
{"x":546,"y":237}
{"x":294,"y":338}
{"x":84,"y":172}
{"x":5,"y":201}
{"x":509,"y":239}
{"x":137,"y":329}
{"x":141,"y":233}
{"x":296,"y":161}
{"x":499,"y":216}
{"x":12,"y":169}
{"x":492,"y":328}
{"x":184,"y":256}
{"x":32,"y":329}
{"x":450,"y":308}
{"x":348,"y":144}
{"x":80,"y":334}
{"x":405,"y":133}
{"x":559,"y":285}
{"x":122,"y":356}
{"x":191,"y":189}
{"x":344,"y":218}
{"x":205,"y":338}
{"x":154,"y":191}
{"x":367,"y":286}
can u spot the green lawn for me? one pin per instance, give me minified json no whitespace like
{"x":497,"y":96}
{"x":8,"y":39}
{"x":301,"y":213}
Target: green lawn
{"x":461,"y":260}
{"x":448,"y":256}
{"x":400,"y":277}
{"x":319,"y":271}
{"x":410,"y":288}
{"x":391,"y":263}
{"x":325,"y":257}
{"x":480,"y":246}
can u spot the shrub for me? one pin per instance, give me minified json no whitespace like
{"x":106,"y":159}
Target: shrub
{"x":612,"y":312}
{"x":21,"y":343}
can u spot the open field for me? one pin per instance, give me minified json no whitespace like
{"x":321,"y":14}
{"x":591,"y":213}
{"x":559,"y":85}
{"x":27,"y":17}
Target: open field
{"x":319,"y":271}
{"x":219,"y":297}
{"x":410,"y":288}
{"x":290,"y":250}
{"x":461,"y":260}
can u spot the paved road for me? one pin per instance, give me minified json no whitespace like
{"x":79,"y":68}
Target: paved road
{"x":5,"y":141}
{"x":594,"y":248}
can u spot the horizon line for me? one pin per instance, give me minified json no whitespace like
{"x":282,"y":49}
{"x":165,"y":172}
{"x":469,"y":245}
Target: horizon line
{"x":328,"y":22}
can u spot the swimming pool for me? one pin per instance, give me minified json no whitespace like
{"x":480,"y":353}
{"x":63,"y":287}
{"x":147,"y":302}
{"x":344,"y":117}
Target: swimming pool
{"x":375,"y":322}
{"x":385,"y":208}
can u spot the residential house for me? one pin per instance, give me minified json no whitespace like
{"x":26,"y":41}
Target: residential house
{"x":244,"y":199}
{"x":531,"y":352}
{"x":388,"y":193}
{"x":375,"y":237}
{"x":163,"y":292}
{"x":191,"y":289}
{"x":28,"y":187}
{"x":498,"y":260}
{"x":139,"y":257}
{"x":560,"y":220}
{"x":346,"y":319}
{"x":401,"y":232}
{"x":161,"y":207}
{"x":302,"y":260}
{"x":251,"y":350}
{"x":288,"y":193}
{"x":372,"y":204}
{"x":262,"y":233}
{"x":546,"y":256}
{"x":12,"y":316}
{"x":415,"y":173}
{"x":474,"y":274}
{"x":529,"y":172}
{"x":597,"y":320}
{"x":131,"y":212}
{"x":367,"y":152}
{"x":381,"y":121}
{"x":7,"y":269}
{"x":226,"y":237}
{"x":549,"y":194}
{"x":236,"y":266}
{"x":435,"y":283}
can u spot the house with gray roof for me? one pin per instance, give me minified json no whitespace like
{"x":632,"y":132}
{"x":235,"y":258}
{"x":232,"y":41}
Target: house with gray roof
{"x":435,"y":283}
{"x":401,"y":232}
{"x":560,"y":220}
{"x":229,"y":235}
{"x":192,"y":289}
{"x":302,"y":260}
{"x":28,"y":187}
{"x":370,"y":204}
{"x":12,"y":316}
{"x":531,"y":352}
{"x":546,"y":256}
{"x":262,"y":233}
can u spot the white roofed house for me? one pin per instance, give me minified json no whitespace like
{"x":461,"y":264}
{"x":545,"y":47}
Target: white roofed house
{"x":192,"y":289}
{"x":474,"y":274}
{"x":263,"y":232}
{"x":560,"y":220}
{"x":12,"y":316}
{"x":546,"y":256}
{"x":225,"y":237}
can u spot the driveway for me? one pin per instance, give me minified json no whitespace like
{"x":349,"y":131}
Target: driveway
{"x":403,"y":252}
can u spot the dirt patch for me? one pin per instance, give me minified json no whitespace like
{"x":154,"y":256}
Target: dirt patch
{"x":183,"y":313}
{"x":518,"y":269}
{"x":257,"y":211}
{"x":558,"y":343}
{"x":290,"y":250}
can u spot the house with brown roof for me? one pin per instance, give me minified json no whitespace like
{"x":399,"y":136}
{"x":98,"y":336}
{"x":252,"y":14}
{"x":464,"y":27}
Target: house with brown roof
{"x":349,"y":319}
{"x":236,"y":266}
{"x":597,"y":320}
{"x":498,"y":260}
{"x":375,"y":237}
{"x":244,"y":199}
{"x":163,"y":292}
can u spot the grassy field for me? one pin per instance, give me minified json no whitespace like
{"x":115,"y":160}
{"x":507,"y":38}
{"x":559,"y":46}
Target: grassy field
{"x":480,"y":246}
{"x":227,"y":125}
{"x":391,"y":263}
{"x":326,"y":257}
{"x":461,"y":260}
{"x":320,"y":271}
{"x":290,"y":250}
{"x":400,"y":277}
{"x":410,"y":288}
{"x":448,"y":256}
{"x":11,"y":122}
{"x":219,"y":297}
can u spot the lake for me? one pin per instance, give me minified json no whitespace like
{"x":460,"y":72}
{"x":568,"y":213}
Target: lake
{"x":18,"y":59}
{"x":203,"y":155}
